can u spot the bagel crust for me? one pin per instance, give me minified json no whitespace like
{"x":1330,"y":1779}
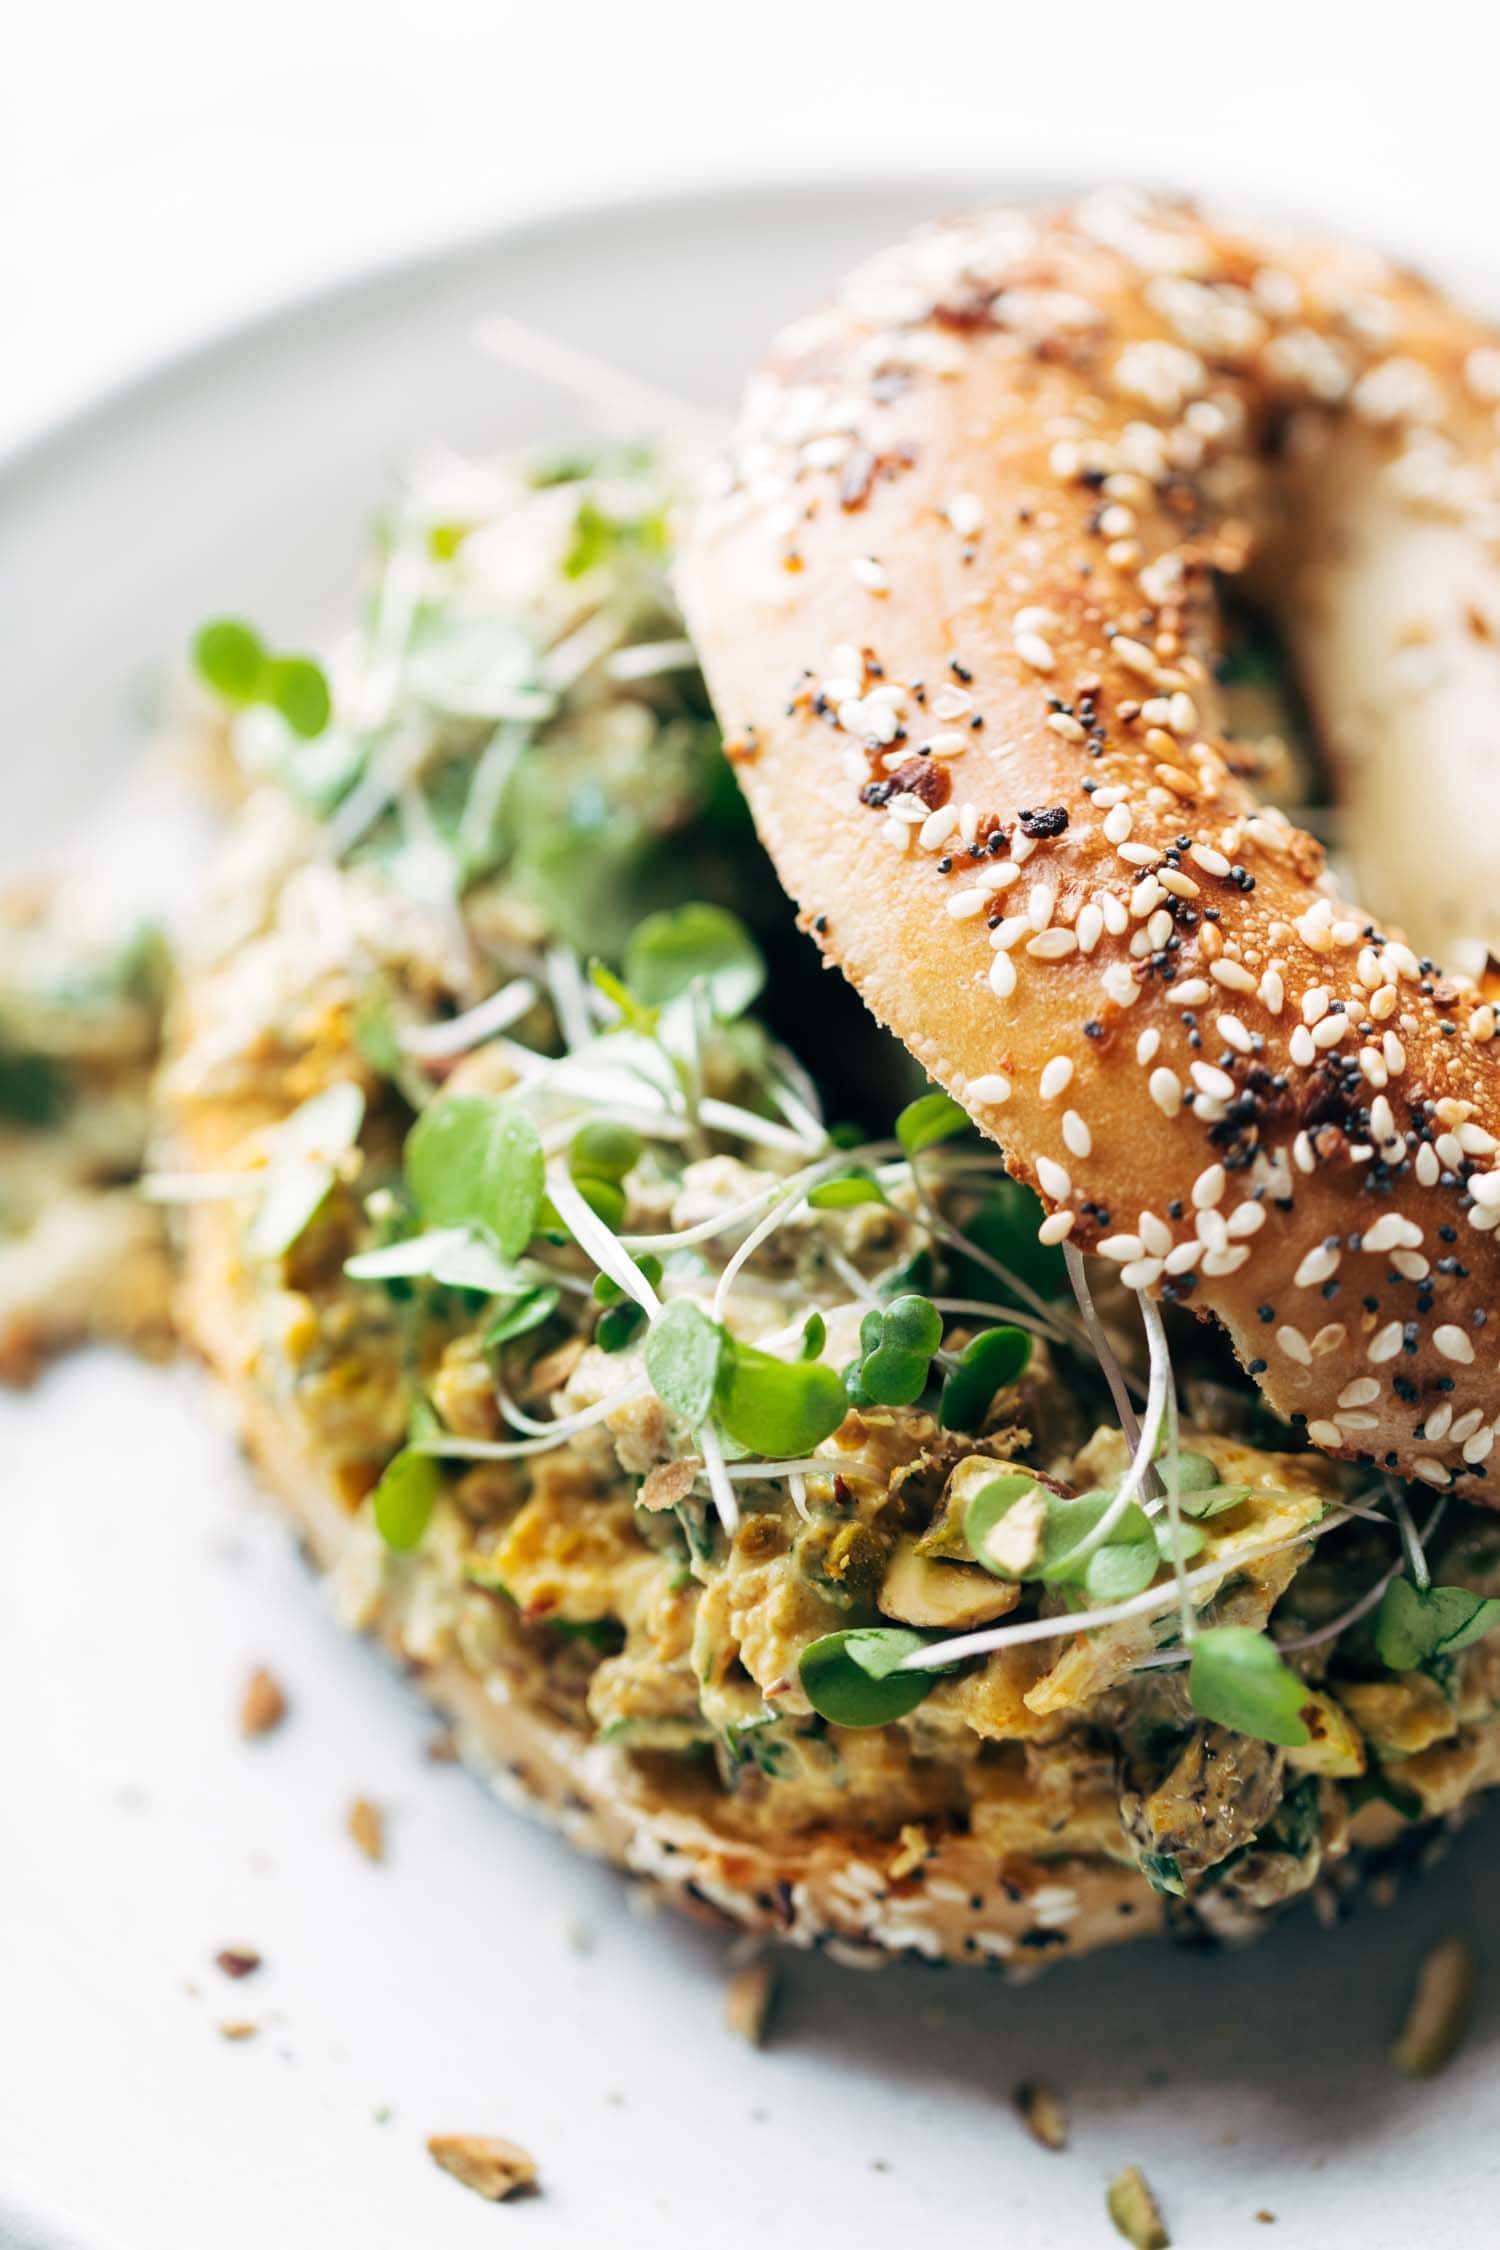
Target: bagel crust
{"x":956,"y":603}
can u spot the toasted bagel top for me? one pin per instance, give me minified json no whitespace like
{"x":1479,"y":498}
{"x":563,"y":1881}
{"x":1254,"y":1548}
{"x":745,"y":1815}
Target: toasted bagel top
{"x":958,"y":603}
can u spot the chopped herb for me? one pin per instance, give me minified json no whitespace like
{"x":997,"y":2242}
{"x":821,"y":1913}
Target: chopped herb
{"x":684,"y":1353}
{"x":780,"y":1408}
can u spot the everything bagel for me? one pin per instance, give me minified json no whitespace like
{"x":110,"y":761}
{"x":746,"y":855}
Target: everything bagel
{"x":958,"y":605}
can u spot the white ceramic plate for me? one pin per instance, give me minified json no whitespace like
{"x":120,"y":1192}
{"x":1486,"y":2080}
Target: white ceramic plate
{"x":484,"y":1978}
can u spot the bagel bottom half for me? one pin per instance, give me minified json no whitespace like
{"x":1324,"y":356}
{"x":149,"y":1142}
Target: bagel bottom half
{"x":851,"y":1892}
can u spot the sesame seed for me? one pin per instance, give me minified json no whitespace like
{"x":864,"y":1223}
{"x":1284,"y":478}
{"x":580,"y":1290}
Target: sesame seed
{"x":1325,"y":1433}
{"x":1147,"y":1047}
{"x":1120,"y":985}
{"x":1330,"y":1031}
{"x":965,"y":514}
{"x":1155,"y":1233}
{"x":1183,"y":1257}
{"x":963,"y":904}
{"x":1009,"y":932}
{"x":1272,"y":991}
{"x":1134,"y":655}
{"x":1062,"y":723}
{"x":1436,"y":1425}
{"x":1210,"y":1080}
{"x":1165,"y":1088}
{"x":1057,"y":1077}
{"x":1077,"y":1139}
{"x":1301,"y":1049}
{"x":1319,"y":1265}
{"x":1053,"y":1179}
{"x":1138,"y":855}
{"x":1431,"y":1472}
{"x":1296,"y":1346}
{"x":1117,"y":824}
{"x":1052,"y":945}
{"x":867,"y":572}
{"x":1453,"y":1343}
{"x":1385,"y":1344}
{"x":1122,"y":1248}
{"x":1192,"y":992}
{"x":1427,"y":1167}
{"x":1041,"y":904}
{"x":1033,"y":650}
{"x":1231,"y":974}
{"x":1147,"y":895}
{"x":1143,"y":1274}
{"x":1234,"y":1034}
{"x":1208,"y":1188}
{"x":1363,"y":1391}
{"x":1056,"y":1227}
{"x":948,"y":742}
{"x":1478,"y":1448}
{"x":937,"y":828}
{"x":1002,"y":976}
{"x":1116,"y":915}
{"x":1247,"y":1218}
{"x":991,"y":1089}
{"x":1090,"y":927}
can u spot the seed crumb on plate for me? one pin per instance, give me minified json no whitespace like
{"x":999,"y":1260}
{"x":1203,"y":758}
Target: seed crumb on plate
{"x":1439,"y":2013}
{"x":748,"y":2000}
{"x":366,"y":1824}
{"x":492,"y":2167}
{"x":1043,"y":2112}
{"x":262,"y":1706}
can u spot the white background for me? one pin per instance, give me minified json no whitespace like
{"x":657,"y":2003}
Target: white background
{"x":169,"y":164}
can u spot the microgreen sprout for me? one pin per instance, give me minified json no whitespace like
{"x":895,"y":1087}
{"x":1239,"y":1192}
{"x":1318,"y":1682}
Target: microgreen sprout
{"x":231,"y":658}
{"x":854,"y":1678}
{"x":896,"y":1349}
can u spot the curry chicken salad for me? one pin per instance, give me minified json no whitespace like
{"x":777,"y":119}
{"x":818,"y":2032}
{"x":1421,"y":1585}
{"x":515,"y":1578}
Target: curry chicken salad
{"x":703,"y":1421}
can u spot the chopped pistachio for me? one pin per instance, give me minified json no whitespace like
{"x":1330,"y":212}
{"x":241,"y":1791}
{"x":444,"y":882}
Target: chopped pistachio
{"x":1135,"y":2211}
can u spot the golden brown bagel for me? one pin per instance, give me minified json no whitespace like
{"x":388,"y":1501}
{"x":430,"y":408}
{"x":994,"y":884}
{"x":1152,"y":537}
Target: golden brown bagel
{"x":956,"y":607}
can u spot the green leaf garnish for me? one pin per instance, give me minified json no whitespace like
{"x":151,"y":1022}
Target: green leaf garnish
{"x":33,"y":1090}
{"x":850,"y":1677}
{"x":780,"y":1408}
{"x":603,"y":1152}
{"x":524,"y":1314}
{"x":896,"y":1348}
{"x":1127,"y":1562}
{"x":814,"y":1335}
{"x":295,"y":686}
{"x":845,"y":1190}
{"x":474,"y":1161}
{"x":697,"y":944}
{"x":230,"y":657}
{"x":303,"y":1168}
{"x":990,"y":1363}
{"x":1238,"y":1680}
{"x":1414,"y":1624}
{"x":405,"y":1497}
{"x":456,"y":1257}
{"x":929,"y":1119}
{"x":619,"y":1325}
{"x":684,"y":1353}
